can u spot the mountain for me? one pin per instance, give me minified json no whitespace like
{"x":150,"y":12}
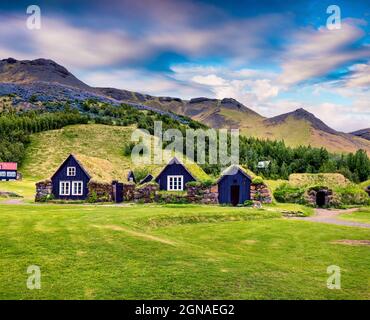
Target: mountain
{"x":43,"y":70}
{"x":363,"y":133}
{"x":301,"y":114}
{"x":49,"y":81}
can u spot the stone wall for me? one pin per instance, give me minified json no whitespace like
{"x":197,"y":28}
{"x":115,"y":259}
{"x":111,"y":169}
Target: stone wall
{"x":146,"y":193}
{"x":172,"y":197}
{"x":149,"y":192}
{"x":203,"y":195}
{"x":128,"y":192}
{"x":103,"y":191}
{"x":44,"y":189}
{"x":260,"y":192}
{"x":330,"y":196}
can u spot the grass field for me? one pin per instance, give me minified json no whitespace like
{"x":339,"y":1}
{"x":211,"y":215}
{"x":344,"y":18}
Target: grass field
{"x":362,"y":215}
{"x":24,"y":188}
{"x":175,"y":252}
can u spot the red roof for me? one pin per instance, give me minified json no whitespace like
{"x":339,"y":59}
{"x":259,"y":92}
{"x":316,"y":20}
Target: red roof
{"x":8,"y":166}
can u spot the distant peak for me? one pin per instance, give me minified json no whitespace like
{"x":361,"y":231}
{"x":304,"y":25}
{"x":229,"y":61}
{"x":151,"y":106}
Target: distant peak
{"x":302,"y":114}
{"x":301,"y":110}
{"x":38,"y":70}
{"x":9,"y":60}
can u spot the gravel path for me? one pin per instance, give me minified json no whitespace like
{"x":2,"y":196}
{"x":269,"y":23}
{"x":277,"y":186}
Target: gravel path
{"x":331,"y":217}
{"x":13,"y":201}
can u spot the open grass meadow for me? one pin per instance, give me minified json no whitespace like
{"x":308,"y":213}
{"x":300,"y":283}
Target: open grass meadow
{"x":362,"y":215}
{"x":176,"y":252}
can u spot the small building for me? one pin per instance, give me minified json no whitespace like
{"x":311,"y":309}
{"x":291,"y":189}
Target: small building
{"x":234,"y":186}
{"x":131,"y":177}
{"x":8,"y":171}
{"x":70,"y":180}
{"x":175,"y":175}
{"x":80,"y":177}
{"x":263,"y":164}
{"x":147,"y":179}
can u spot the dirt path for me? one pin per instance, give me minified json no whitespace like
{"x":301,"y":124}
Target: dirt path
{"x":331,"y":217}
{"x":12,"y":201}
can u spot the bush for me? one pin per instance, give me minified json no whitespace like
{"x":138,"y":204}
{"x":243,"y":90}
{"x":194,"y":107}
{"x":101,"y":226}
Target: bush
{"x":205,"y":183}
{"x":352,"y":195}
{"x":193,"y":184}
{"x":127,"y":148}
{"x":47,"y":198}
{"x":289,"y":193}
{"x":140,"y":173}
{"x":93,"y":197}
{"x":257,"y":180}
{"x":248,"y":203}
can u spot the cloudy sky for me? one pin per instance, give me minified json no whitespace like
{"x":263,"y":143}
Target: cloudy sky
{"x":273,"y":56}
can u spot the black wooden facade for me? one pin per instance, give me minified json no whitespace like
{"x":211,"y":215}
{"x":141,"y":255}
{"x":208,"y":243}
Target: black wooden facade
{"x":234,"y":187}
{"x":173,"y":168}
{"x":69,"y":183}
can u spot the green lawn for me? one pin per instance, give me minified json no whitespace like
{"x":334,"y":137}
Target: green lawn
{"x":362,"y":215}
{"x":175,"y":252}
{"x":24,"y":188}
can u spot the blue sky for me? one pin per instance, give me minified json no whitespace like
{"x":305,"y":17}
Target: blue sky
{"x":273,"y":56}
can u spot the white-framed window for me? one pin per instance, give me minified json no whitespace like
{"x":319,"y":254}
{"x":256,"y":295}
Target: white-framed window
{"x":175,"y":183}
{"x":71,"y":171}
{"x":2,"y":173}
{"x":11,"y":174}
{"x":64,"y":188}
{"x":77,"y":188}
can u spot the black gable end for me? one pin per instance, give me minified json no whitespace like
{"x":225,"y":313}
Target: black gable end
{"x":70,"y":186}
{"x":174,"y":168}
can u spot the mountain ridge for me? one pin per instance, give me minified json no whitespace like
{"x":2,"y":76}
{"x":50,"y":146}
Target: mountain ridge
{"x":46,"y":79}
{"x":362,"y":133}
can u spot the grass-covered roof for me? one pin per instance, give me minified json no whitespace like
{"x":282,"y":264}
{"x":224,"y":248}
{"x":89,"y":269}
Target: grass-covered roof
{"x":330,"y":180}
{"x":194,"y":169}
{"x":234,"y":168}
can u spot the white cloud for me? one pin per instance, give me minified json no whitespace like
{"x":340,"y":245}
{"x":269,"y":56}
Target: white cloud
{"x":144,"y":82}
{"x":209,"y":80}
{"x":359,"y":77}
{"x":245,"y":85}
{"x":314,"y":53}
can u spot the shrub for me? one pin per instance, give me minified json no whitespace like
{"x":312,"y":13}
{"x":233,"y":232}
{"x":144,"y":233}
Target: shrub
{"x":47,"y":198}
{"x":127,"y":149}
{"x":193,"y":184}
{"x":352,"y":195}
{"x":93,"y":197}
{"x":33,"y":99}
{"x":248,"y":203}
{"x":288,"y":193}
{"x":207,"y":183}
{"x":257,"y":180}
{"x":140,"y":173}
{"x":204,"y":183}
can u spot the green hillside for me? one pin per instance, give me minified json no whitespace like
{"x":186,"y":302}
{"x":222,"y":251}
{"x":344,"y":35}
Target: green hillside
{"x":48,"y":149}
{"x":103,"y":143}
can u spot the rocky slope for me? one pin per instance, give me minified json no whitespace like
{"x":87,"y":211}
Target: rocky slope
{"x":363,"y":133}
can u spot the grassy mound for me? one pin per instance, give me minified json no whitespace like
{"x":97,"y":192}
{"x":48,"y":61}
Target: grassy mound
{"x":330,"y":180}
